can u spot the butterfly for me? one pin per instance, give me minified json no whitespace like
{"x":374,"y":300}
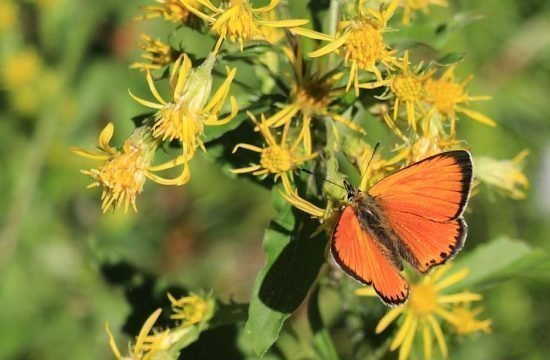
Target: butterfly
{"x":414,"y":214}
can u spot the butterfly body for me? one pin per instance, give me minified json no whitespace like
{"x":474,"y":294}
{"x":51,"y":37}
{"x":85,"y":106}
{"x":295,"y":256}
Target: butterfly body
{"x":414,"y":215}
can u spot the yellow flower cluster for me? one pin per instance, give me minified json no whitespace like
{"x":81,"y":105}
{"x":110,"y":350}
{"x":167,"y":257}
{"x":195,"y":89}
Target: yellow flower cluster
{"x":429,"y":99}
{"x":192,"y":313}
{"x":183,"y":118}
{"x":309,"y":126}
{"x":428,"y":306}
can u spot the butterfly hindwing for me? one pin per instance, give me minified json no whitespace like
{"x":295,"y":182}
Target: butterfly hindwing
{"x":359,"y":254}
{"x":422,"y":205}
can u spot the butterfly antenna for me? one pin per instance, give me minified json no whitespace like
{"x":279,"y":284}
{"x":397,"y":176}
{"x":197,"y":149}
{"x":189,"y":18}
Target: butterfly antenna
{"x":322,"y":179}
{"x":372,"y":155}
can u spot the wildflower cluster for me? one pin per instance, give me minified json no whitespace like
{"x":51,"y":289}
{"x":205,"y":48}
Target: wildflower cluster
{"x":191,"y":314}
{"x":313,"y":112}
{"x":428,"y":306}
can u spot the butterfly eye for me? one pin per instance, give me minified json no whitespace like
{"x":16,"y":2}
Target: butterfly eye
{"x":351,"y":191}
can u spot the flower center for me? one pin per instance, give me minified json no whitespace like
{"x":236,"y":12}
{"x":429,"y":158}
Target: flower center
{"x":423,"y":299}
{"x":239,"y":23}
{"x":406,"y":88}
{"x":168,"y":123}
{"x":365,"y":44}
{"x":122,"y":177}
{"x":276,"y":159}
{"x":312,"y":97}
{"x":443,"y":94}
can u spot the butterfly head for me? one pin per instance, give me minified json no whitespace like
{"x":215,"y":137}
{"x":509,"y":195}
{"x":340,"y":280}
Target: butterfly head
{"x":350,"y":190}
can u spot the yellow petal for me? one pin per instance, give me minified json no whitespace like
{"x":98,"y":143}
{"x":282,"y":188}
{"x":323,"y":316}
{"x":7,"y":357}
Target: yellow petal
{"x":312,"y":34}
{"x":460,"y":297}
{"x":403,"y":331}
{"x":366,"y":291}
{"x":452,"y":279}
{"x":283,"y":23}
{"x":146,"y":328}
{"x":147,"y":103}
{"x":112,"y":342}
{"x":407,"y":343}
{"x":327,"y":49}
{"x":439,"y":336}
{"x":427,"y":340}
{"x":89,"y":154}
{"x":477,"y":116}
{"x":272,"y":4}
{"x":388,"y":318}
{"x":105,"y":136}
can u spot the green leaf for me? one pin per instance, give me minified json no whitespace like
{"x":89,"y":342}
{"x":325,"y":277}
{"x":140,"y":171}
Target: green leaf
{"x":293,"y":260}
{"x":451,"y":59}
{"x":322,"y":342}
{"x":497,"y":260}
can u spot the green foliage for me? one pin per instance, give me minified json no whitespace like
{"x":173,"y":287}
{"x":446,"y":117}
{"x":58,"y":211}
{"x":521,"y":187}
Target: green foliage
{"x":293,"y":260}
{"x":58,"y":253}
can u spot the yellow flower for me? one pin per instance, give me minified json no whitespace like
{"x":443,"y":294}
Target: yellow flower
{"x":360,"y":42}
{"x":139,"y":349}
{"x":417,"y":147}
{"x":505,"y":175}
{"x":360,"y":153}
{"x":123,"y":172}
{"x":410,"y":6}
{"x":21,"y":69}
{"x":446,"y":97}
{"x":466,"y":321}
{"x":238,"y":21}
{"x":311,"y":96}
{"x":185,"y":116}
{"x":170,"y":10}
{"x":158,"y":54}
{"x":195,"y":311}
{"x":191,"y":309}
{"x":427,"y":304}
{"x":9,"y":15}
{"x":406,"y":88}
{"x":278,"y":158}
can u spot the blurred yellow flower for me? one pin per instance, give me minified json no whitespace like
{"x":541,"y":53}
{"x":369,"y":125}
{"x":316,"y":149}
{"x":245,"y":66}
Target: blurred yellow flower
{"x":466,"y":321}
{"x":505,"y":175}
{"x":123,"y":172}
{"x":191,"y":309}
{"x":360,"y":42}
{"x":170,"y":10}
{"x":139,"y":350}
{"x":410,"y":6}
{"x":157,"y":54}
{"x":189,"y":111}
{"x":277,"y":158}
{"x":426,"y":304}
{"x":447,"y":97}
{"x":21,"y":68}
{"x":239,"y":21}
{"x":9,"y":15}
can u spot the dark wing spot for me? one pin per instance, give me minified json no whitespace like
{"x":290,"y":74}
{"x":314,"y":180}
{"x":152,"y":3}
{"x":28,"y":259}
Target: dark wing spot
{"x":443,"y":255}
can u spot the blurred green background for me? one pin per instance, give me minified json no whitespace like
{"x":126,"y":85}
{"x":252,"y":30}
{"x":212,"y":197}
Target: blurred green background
{"x":65,"y":268}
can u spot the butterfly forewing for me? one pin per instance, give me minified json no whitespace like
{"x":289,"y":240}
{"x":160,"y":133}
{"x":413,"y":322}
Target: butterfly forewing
{"x":422,"y":205}
{"x":436,"y":188}
{"x":360,"y":254}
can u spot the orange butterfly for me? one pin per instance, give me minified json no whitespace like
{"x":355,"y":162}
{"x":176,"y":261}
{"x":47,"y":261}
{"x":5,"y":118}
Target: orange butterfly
{"x":414,"y":214}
